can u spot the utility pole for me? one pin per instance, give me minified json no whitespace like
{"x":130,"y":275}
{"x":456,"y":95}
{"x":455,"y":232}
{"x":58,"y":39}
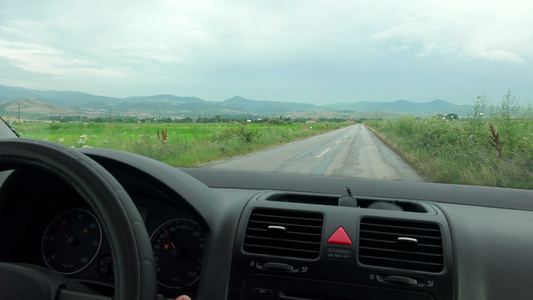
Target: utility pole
{"x":18,"y":102}
{"x":110,"y":115}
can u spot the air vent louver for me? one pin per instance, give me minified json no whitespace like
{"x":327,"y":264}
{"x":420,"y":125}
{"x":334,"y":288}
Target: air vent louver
{"x":284,"y":233}
{"x":401,"y":244}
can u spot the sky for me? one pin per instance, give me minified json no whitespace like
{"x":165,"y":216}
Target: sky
{"x":318,"y":52}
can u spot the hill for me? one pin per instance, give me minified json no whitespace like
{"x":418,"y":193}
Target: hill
{"x":402,"y":106}
{"x":33,"y":107}
{"x":345,"y":114}
{"x":266,"y":107}
{"x":69,"y":103}
{"x":67,"y":99}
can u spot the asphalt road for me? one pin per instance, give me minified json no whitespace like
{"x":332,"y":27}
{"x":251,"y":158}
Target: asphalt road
{"x":353,"y":151}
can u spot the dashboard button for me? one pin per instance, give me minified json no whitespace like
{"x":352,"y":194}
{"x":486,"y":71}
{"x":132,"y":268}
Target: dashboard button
{"x":340,"y":237}
{"x":400,"y":279}
{"x":263,"y":292}
{"x":278,"y":266}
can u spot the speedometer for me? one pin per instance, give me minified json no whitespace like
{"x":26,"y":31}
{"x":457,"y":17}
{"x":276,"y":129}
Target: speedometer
{"x":179,"y":248}
{"x":71,"y":241}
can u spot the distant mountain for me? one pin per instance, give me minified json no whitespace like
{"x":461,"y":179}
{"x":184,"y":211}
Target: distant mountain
{"x":170,"y":105}
{"x":61,"y":98}
{"x":32,"y":107}
{"x":170,"y":99}
{"x":265,"y":107}
{"x":402,"y":106}
{"x":160,"y":103}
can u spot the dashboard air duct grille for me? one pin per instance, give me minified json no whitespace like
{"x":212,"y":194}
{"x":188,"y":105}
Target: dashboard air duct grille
{"x":284,"y":233}
{"x":401,"y":244}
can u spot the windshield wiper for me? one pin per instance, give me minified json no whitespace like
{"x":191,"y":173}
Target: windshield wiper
{"x":5,"y":129}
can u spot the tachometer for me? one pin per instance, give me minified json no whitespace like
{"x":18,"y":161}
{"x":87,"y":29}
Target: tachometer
{"x":71,"y":241}
{"x":179,"y":248}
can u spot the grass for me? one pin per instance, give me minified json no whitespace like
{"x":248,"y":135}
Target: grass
{"x":490,"y":151}
{"x":184,"y":145}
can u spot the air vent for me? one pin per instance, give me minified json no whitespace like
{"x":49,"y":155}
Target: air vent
{"x":401,"y":244}
{"x":333,"y":200}
{"x":284,"y":233}
{"x":303,"y":198}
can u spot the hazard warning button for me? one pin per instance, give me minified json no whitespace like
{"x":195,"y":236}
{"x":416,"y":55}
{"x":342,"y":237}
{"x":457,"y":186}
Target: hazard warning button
{"x":340,"y":237}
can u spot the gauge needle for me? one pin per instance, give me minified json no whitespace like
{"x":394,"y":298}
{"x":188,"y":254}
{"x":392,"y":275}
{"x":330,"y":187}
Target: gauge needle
{"x":169,"y":239}
{"x":175,"y":251}
{"x":62,"y":230}
{"x":70,"y":239}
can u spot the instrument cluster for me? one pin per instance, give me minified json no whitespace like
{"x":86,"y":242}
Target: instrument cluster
{"x":72,"y":241}
{"x":65,"y":236}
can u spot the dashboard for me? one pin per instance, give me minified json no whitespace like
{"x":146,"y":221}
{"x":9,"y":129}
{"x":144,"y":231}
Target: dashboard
{"x":56,"y":229}
{"x":220,"y":234}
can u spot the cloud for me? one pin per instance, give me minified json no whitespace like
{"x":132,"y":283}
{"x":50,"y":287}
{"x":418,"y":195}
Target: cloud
{"x":473,"y":30}
{"x":399,"y":48}
{"x":11,"y":71}
{"x":308,"y":49}
{"x":500,"y":55}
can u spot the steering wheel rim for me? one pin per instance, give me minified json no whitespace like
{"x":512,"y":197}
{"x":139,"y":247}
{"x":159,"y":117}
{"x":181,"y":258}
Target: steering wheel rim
{"x":135,"y":276}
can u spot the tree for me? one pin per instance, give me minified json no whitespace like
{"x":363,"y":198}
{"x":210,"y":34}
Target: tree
{"x":452,"y":116}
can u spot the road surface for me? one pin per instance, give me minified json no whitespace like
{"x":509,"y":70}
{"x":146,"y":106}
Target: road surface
{"x":353,"y":151}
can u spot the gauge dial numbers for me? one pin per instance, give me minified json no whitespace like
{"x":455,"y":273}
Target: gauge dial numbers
{"x":179,"y":248}
{"x":71,"y":241}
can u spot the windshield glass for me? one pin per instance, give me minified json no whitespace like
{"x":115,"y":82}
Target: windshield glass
{"x":435,"y":91}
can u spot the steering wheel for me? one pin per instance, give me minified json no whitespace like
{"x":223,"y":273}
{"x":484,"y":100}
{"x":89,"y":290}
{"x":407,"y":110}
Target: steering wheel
{"x":135,"y":276}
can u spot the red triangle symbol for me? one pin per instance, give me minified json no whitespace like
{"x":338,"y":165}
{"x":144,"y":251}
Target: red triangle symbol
{"x":340,"y":237}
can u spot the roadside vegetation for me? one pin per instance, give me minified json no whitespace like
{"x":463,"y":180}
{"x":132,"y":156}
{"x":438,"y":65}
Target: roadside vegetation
{"x":493,"y":146}
{"x":177,"y":144}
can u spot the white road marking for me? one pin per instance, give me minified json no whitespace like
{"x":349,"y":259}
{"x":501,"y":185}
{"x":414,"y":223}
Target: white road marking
{"x":323,"y":152}
{"x":337,"y":141}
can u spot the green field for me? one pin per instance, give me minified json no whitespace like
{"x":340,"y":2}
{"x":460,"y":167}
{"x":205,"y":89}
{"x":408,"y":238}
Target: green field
{"x":464,"y":151}
{"x":493,"y":146}
{"x":184,"y":145}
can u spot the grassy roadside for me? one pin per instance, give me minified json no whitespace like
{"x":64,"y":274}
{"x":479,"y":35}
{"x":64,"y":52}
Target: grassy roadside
{"x":184,"y":145}
{"x":479,"y":151}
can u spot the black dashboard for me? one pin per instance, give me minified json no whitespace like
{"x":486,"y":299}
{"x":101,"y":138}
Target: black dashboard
{"x":56,"y":229}
{"x":220,"y":234}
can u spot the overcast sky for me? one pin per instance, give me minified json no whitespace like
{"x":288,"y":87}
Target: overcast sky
{"x":283,"y":50}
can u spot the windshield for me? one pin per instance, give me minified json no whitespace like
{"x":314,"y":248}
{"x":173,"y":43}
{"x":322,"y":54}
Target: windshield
{"x":436,"y":91}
